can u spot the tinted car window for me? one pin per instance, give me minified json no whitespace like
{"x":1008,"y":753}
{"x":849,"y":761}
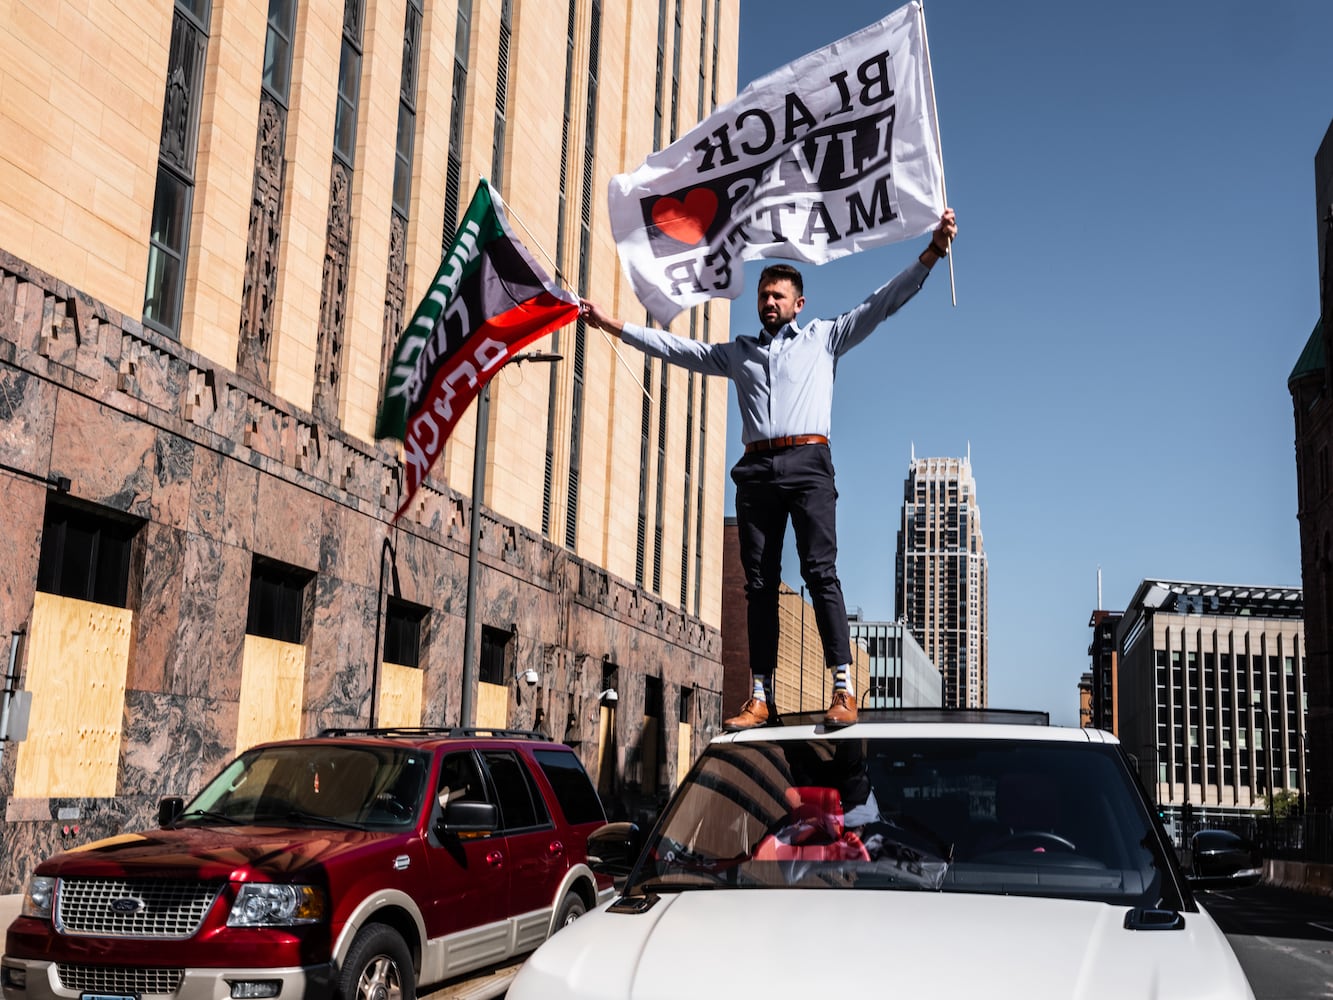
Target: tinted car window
{"x":521,"y":805}
{"x":314,"y":783}
{"x":954,"y":815}
{"x":578,"y":799}
{"x":461,"y":780}
{"x":1213,"y":840}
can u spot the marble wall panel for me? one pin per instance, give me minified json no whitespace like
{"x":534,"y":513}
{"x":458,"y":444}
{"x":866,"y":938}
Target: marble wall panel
{"x":109,"y":457}
{"x":224,"y":622}
{"x":352,"y":547}
{"x":157,"y":654}
{"x":444,"y":668}
{"x":174,"y":744}
{"x":27,"y":414}
{"x":9,"y":327}
{"x":196,"y":673}
{"x":149,"y":373}
{"x":20,"y":548}
{"x":288,"y":523}
{"x":38,"y":828}
{"x":240,"y":511}
{"x":208,"y":497}
{"x":337,"y":681}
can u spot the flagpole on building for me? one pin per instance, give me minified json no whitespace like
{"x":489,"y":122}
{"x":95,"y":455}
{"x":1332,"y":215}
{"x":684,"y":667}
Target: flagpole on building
{"x":467,"y":711}
{"x":935,"y":122}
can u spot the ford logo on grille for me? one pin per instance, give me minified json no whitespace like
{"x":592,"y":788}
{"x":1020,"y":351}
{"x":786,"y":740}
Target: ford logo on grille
{"x":126,"y":904}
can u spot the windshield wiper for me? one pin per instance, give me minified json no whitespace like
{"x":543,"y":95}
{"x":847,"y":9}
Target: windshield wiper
{"x":208,"y":814}
{"x":668,"y":883}
{"x":302,"y":816}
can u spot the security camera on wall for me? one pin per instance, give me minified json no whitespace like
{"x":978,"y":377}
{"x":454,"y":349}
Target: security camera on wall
{"x":529,"y":677}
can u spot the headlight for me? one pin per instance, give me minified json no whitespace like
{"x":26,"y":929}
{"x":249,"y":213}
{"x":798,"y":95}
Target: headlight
{"x":265,"y":904}
{"x":40,"y":897}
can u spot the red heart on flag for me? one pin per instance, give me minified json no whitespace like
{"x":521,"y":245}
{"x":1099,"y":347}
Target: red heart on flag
{"x":686,"y":221}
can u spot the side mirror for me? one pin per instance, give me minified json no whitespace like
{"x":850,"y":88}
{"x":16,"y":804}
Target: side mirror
{"x":614,"y":849}
{"x":469,"y":817}
{"x":169,"y":809}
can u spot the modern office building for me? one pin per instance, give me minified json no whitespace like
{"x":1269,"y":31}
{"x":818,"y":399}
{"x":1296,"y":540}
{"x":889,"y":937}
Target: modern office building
{"x":901,"y":674}
{"x":941,"y":575}
{"x":1212,"y":694}
{"x":213,"y":220}
{"x":1311,"y":388}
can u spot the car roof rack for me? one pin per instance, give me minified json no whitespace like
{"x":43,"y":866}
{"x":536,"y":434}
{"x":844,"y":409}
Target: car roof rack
{"x":956,"y":716}
{"x":451,"y":731}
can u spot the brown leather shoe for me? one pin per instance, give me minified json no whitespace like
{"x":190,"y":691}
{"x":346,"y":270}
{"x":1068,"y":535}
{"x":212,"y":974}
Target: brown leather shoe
{"x":841,"y":711}
{"x":753,"y":713}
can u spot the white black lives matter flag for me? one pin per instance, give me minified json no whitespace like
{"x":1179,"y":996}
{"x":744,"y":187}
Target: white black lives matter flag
{"x":834,"y":153}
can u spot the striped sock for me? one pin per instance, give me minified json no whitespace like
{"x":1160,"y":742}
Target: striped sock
{"x":760,"y":680}
{"x":840,"y":680}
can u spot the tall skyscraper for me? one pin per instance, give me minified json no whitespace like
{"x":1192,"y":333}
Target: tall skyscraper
{"x":941,"y":576}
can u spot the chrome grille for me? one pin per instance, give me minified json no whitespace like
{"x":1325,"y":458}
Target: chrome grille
{"x":118,"y":979}
{"x":133,"y":907}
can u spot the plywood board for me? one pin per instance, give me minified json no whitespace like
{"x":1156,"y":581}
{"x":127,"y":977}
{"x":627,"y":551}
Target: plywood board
{"x":272,"y":686}
{"x":400,"y":695}
{"x":684,"y":754}
{"x":492,"y":705}
{"x":78,"y":658}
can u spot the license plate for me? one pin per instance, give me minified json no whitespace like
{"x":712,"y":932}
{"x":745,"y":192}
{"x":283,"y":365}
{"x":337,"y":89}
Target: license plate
{"x":108,"y":996}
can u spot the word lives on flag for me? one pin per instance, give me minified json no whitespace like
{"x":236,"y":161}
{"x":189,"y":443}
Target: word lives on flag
{"x":834,"y":153}
{"x":488,"y":301}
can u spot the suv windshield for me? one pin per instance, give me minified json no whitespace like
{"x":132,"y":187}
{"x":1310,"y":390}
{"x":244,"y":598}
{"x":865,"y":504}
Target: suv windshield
{"x":1034,"y":818}
{"x":316,"y":784}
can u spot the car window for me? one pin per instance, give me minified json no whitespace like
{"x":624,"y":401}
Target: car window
{"x":460,"y":780}
{"x":573,"y":790}
{"x":957,"y":815}
{"x":521,"y":805}
{"x":1213,"y":839}
{"x":314,"y":783}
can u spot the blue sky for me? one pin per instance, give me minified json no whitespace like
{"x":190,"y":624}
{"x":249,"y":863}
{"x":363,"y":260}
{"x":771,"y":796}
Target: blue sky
{"x":1136,"y":275}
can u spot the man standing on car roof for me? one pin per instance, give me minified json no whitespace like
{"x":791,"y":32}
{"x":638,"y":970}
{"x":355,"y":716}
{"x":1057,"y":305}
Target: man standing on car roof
{"x":784,"y":385}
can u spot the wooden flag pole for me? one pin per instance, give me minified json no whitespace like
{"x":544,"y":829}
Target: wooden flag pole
{"x":939,"y":147}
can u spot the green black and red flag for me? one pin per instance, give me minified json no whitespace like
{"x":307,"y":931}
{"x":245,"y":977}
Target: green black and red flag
{"x":488,"y":301}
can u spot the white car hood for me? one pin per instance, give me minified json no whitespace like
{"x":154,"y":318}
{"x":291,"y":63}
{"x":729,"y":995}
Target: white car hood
{"x":807,"y":943}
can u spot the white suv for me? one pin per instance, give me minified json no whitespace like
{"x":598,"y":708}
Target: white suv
{"x":911,"y":858}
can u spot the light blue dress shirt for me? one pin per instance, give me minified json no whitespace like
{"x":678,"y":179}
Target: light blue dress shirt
{"x":784,"y":383}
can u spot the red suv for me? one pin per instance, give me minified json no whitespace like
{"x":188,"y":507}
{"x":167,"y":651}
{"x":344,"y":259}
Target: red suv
{"x":358,"y":863}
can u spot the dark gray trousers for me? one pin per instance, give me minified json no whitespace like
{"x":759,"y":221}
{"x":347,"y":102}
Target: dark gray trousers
{"x":795,"y":483}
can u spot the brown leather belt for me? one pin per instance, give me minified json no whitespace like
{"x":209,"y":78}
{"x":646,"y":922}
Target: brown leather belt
{"x":773,"y":444}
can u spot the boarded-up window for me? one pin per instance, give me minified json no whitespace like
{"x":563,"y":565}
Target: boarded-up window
{"x":400,"y":696}
{"x":272,"y":688}
{"x":77,"y":663}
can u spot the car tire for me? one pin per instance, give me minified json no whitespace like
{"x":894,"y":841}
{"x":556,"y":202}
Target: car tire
{"x":571,"y":908}
{"x":378,"y":967}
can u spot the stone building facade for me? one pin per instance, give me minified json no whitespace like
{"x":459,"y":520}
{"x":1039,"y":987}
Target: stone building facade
{"x":1311,"y":388}
{"x":209,"y":235}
